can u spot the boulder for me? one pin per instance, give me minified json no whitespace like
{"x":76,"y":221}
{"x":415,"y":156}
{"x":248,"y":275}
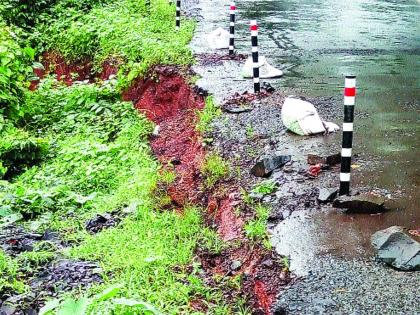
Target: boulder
{"x":327,"y":194}
{"x":327,"y":159}
{"x":397,"y":248}
{"x":267,"y":165}
{"x":363,"y":203}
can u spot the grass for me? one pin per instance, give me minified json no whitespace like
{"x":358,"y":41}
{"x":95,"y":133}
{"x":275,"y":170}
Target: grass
{"x":214,"y":168}
{"x":265,"y":187}
{"x":256,"y":229}
{"x":207,"y":115}
{"x":9,"y":274}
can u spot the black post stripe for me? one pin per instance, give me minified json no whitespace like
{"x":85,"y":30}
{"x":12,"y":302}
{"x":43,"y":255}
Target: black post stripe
{"x":344,"y":188}
{"x":256,"y":72}
{"x":347,"y":139}
{"x":348,"y":114}
{"x":255,"y":56}
{"x":254,"y":41}
{"x":345,"y":164}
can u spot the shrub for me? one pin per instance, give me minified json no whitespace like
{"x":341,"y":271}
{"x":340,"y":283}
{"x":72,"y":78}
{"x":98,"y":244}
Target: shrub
{"x":15,"y":69}
{"x":19,"y":150}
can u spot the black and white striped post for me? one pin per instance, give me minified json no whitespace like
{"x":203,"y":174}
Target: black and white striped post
{"x":232,"y":29}
{"x":346,"y":150}
{"x":255,"y":59}
{"x":178,"y":14}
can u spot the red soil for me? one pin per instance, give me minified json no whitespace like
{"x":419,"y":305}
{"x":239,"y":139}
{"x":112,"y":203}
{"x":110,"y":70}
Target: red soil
{"x":82,"y":70}
{"x":165,"y":98}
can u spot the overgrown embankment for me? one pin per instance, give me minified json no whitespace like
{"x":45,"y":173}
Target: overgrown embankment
{"x":85,"y":206}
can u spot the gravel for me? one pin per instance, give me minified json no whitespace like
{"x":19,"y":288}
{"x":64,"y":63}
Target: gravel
{"x":352,"y":287}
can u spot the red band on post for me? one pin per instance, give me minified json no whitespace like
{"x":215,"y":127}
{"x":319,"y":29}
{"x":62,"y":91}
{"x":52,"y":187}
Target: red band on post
{"x":233,"y":7}
{"x":254,"y":28}
{"x":350,"y":91}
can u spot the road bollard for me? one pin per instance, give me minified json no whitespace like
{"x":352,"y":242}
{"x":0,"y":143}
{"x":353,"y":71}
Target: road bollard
{"x":255,"y":59}
{"x":232,"y":29}
{"x":178,"y":14}
{"x":346,"y":148}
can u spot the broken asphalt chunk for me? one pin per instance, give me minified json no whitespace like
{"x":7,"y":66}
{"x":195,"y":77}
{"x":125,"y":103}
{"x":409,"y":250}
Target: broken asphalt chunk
{"x":267,"y":165}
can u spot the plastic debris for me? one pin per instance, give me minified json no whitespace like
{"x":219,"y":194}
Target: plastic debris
{"x":218,"y":39}
{"x":302,"y":118}
{"x":266,"y":70}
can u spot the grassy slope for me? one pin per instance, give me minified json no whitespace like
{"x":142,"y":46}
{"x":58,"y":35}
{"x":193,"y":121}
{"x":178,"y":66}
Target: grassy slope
{"x":99,"y":161}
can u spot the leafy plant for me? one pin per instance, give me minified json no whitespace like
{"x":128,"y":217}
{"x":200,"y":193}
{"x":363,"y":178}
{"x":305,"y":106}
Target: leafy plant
{"x":15,"y":69}
{"x":214,"y":168}
{"x":256,"y":229}
{"x":20,"y":150}
{"x":9,"y":275}
{"x":265,"y":187}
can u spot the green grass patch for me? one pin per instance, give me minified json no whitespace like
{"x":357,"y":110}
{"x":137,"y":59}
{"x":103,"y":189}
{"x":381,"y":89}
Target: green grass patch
{"x":9,"y":275}
{"x":256,"y":229}
{"x":208,"y":114}
{"x":214,"y":168}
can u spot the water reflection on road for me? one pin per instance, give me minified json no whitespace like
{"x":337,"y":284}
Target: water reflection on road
{"x":317,"y":42}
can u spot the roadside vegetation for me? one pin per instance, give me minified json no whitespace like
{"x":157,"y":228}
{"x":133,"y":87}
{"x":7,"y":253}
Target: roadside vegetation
{"x":68,"y":153}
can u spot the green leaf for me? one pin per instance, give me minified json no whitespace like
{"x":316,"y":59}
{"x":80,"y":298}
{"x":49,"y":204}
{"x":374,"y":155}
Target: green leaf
{"x":49,"y":307}
{"x":29,"y":52}
{"x":74,"y":307}
{"x":108,"y":293}
{"x":134,"y":303}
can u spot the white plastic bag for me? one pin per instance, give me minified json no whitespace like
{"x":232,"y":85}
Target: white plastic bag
{"x":218,"y":39}
{"x":266,"y":70}
{"x":302,"y":118}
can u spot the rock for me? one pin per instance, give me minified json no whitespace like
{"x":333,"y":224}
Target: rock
{"x":331,"y":159}
{"x":266,"y":166}
{"x":235,"y":265}
{"x":238,"y":110}
{"x":268,"y":87}
{"x":156,"y":131}
{"x":363,"y":203}
{"x":327,"y":194}
{"x":397,"y":248}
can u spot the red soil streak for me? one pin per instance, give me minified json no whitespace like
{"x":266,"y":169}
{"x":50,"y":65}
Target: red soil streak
{"x":167,"y":100}
{"x":229,"y":224}
{"x":264,"y":299}
{"x":82,"y":70}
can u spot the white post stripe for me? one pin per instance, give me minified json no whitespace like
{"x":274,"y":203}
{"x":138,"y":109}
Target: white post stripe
{"x":347,"y":126}
{"x":346,"y":152}
{"x":344,"y":177}
{"x":350,"y":83}
{"x":254,"y":48}
{"x":255,"y":65}
{"x":232,"y":24}
{"x":349,"y":100}
{"x":256,"y":80}
{"x":254,"y":33}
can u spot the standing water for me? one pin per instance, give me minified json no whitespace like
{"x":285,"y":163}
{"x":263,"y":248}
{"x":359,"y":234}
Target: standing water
{"x":316,"y":43}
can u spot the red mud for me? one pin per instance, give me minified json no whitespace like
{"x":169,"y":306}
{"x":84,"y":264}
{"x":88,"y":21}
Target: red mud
{"x":82,"y":70}
{"x":166,"y":98}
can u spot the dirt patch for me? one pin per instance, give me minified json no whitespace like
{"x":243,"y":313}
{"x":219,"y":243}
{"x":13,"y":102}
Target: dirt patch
{"x":46,"y":279}
{"x":212,"y":59}
{"x":69,"y":72}
{"x":165,"y":97}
